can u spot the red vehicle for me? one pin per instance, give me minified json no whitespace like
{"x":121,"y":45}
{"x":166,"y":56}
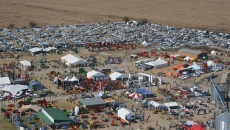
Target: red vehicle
{"x":143,"y":54}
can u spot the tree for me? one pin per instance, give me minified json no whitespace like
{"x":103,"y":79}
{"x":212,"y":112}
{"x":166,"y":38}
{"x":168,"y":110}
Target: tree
{"x":11,"y":26}
{"x":143,"y":21}
{"x":33,"y":24}
{"x":126,"y":19}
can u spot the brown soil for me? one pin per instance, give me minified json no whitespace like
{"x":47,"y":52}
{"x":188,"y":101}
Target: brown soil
{"x":205,"y":14}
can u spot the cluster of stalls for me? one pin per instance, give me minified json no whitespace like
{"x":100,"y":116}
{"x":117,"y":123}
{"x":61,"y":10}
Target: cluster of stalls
{"x":147,"y":64}
{"x":186,"y":71}
{"x":17,"y":91}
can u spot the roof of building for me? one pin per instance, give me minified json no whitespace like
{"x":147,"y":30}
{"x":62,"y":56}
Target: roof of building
{"x":222,"y":78}
{"x":190,"y":51}
{"x":224,"y":117}
{"x":54,"y":114}
{"x":92,"y":101}
{"x":116,"y":69}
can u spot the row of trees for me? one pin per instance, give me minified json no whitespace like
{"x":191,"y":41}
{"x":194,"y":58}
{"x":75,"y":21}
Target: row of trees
{"x":31,"y":24}
{"x":142,"y":21}
{"x":125,"y":19}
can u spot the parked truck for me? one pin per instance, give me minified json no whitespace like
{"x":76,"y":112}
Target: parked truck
{"x":126,"y":115}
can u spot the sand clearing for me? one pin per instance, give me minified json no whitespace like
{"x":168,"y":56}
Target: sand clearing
{"x":205,"y":14}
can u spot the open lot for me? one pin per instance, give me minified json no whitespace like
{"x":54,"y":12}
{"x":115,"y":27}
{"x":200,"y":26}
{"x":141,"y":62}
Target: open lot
{"x":205,"y":14}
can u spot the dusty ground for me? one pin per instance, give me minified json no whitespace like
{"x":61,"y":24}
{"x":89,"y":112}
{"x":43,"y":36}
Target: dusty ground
{"x":205,"y":14}
{"x":62,"y":104}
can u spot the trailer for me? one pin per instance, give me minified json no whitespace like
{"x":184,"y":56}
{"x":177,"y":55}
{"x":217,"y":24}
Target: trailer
{"x":126,"y":115}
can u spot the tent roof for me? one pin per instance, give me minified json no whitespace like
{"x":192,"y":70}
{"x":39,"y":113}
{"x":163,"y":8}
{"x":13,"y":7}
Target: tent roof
{"x":224,"y":117}
{"x":94,"y":73}
{"x":50,"y":48}
{"x":195,"y":66}
{"x":13,"y":89}
{"x":190,"y":51}
{"x":66,"y":78}
{"x":155,"y":104}
{"x":92,"y":101}
{"x":36,"y":49}
{"x":34,"y":107}
{"x":45,"y":118}
{"x":71,"y":59}
{"x":55,"y":115}
{"x":156,"y":62}
{"x":126,"y":112}
{"x":170,"y":104}
{"x":73,"y":79}
{"x":25,"y":63}
{"x":144,"y":91}
{"x":5,"y":81}
{"x":116,"y":75}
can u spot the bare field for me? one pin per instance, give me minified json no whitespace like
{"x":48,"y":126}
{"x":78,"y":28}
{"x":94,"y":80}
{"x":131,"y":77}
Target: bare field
{"x":203,"y":14}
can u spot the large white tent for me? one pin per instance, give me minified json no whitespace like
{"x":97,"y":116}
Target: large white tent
{"x":50,"y":48}
{"x":158,"y":63}
{"x":25,"y":64}
{"x":73,"y":60}
{"x":118,"y":76}
{"x":36,"y":49}
{"x":5,"y":81}
{"x":97,"y":75}
{"x":171,"y":104}
{"x":13,"y":89}
{"x":153,"y":103}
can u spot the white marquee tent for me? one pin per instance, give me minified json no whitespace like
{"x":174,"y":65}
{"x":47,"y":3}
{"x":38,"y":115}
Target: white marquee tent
{"x":25,"y":64}
{"x":36,"y":49}
{"x":153,"y":103}
{"x":97,"y":75}
{"x":171,"y":104}
{"x":73,"y":60}
{"x":73,"y":79}
{"x":158,"y":63}
{"x":49,"y":49}
{"x":13,"y":89}
{"x":118,"y":76}
{"x":66,"y":78}
{"x":5,"y":81}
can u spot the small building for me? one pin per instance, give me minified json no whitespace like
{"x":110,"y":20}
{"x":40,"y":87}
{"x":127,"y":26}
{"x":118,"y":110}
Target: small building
{"x":192,"y":53}
{"x":54,"y":117}
{"x":25,"y":64}
{"x":96,"y":75}
{"x":118,"y":76}
{"x":92,"y":103}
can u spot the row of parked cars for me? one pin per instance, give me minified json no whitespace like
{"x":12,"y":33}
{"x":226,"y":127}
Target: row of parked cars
{"x":158,"y":36}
